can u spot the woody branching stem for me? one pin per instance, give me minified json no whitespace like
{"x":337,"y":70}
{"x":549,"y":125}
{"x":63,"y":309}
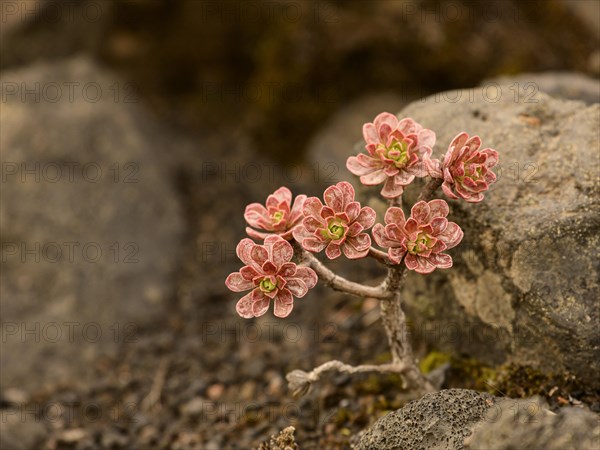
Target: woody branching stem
{"x":429,"y":189}
{"x":394,"y":322}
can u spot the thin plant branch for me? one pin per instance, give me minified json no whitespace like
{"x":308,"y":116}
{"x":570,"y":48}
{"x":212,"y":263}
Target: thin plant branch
{"x":340,"y":283}
{"x":299,"y":381}
{"x":379,"y":255}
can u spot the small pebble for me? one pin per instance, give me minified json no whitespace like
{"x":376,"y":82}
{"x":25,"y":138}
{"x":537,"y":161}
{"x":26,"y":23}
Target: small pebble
{"x":215,"y":391}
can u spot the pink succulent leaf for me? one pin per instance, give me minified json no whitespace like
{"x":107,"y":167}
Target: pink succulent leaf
{"x":420,"y":212}
{"x":260,"y":307}
{"x":300,"y":233}
{"x":256,"y":214}
{"x":257,"y":295}
{"x":452,"y":235}
{"x":327,"y":212}
{"x":424,"y":265}
{"x":333,"y":250}
{"x":396,"y":254}
{"x":311,"y":224}
{"x":370,"y":133}
{"x":282,"y":309}
{"x":351,"y":252}
{"x":427,"y":139}
{"x":378,"y":233}
{"x":437,"y":208}
{"x":374,"y":178}
{"x":244,"y":250}
{"x":439,"y":224}
{"x":244,"y":307}
{"x":312,"y":207}
{"x":347,"y":192}
{"x":259,"y":255}
{"x":360,"y":242}
{"x":411,"y":261}
{"x":237,"y":283}
{"x":314,"y":245}
{"x":394,"y":215}
{"x":447,"y":189}
{"x":249,"y":273}
{"x":392,"y":189}
{"x":285,"y":296}
{"x":355,"y":229}
{"x":385,"y":118}
{"x":366,"y":217}
{"x":441,"y":260}
{"x":281,"y":195}
{"x":296,"y":213}
{"x":297,"y":287}
{"x":269,"y":268}
{"x":355,"y":167}
{"x":352,"y":210}
{"x":307,"y":275}
{"x":281,"y":251}
{"x":287,"y":270}
{"x":334,"y":198}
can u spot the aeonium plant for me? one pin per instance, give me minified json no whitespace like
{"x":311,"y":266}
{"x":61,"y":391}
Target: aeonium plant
{"x":283,"y":267}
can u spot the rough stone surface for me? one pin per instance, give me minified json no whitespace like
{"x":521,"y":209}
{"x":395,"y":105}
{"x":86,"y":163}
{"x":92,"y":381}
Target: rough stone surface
{"x":525,"y":281}
{"x":440,"y":420}
{"x":565,"y":85}
{"x":519,"y":424}
{"x":91,"y":225}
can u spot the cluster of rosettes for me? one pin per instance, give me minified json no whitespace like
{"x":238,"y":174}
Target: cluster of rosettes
{"x":398,"y":151}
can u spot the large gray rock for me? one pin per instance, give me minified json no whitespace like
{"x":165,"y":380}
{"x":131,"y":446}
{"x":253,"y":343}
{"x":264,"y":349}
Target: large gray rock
{"x":91,"y":225}
{"x":454,"y":419}
{"x":525,"y":282}
{"x":513,"y":424}
{"x":440,"y":420}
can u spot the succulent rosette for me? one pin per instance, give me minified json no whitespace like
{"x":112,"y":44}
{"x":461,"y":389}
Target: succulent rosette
{"x":278,"y":217}
{"x":270,"y":275}
{"x":421,"y":239}
{"x":396,"y":152}
{"x":336,"y":226}
{"x":465,"y":169}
